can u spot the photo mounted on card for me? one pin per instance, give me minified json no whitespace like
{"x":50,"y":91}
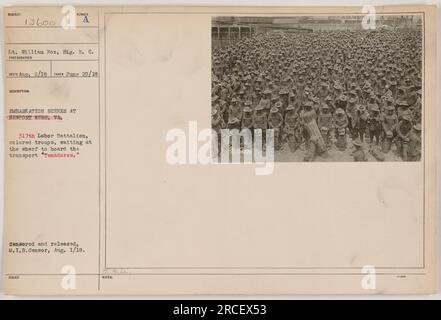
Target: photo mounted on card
{"x":320,"y":88}
{"x":220,"y":150}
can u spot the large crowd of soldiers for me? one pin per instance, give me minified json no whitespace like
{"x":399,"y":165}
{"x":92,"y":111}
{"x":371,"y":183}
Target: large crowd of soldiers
{"x":361,"y":88}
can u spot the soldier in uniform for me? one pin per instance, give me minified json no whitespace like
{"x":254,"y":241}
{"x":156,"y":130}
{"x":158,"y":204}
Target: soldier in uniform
{"x":358,"y":153}
{"x":241,"y":98}
{"x":373,"y":100}
{"x":323,"y":92}
{"x":292,"y":130}
{"x":375,"y":124}
{"x":401,"y":93}
{"x":247,"y":117}
{"x":275,"y":121}
{"x":235,"y":110}
{"x":403,"y":133}
{"x":341,"y":124}
{"x":416,"y":109}
{"x":338,"y":90}
{"x":315,"y":103}
{"x":393,"y":85}
{"x":361,"y":120}
{"x":325,"y":124}
{"x":292,"y":99}
{"x":306,"y":116}
{"x":300,"y":88}
{"x":402,"y":107}
{"x":341,"y":102}
{"x":284,"y":99}
{"x":260,"y":121}
{"x":234,"y":123}
{"x":274,"y":101}
{"x":387,"y":101}
{"x":330,"y":103}
{"x":366,"y":91}
{"x":389,"y":124}
{"x":351,"y":112}
{"x":414,"y":153}
{"x":265,"y":102}
{"x":353,"y":96}
{"x":223,"y":112}
{"x":217,"y":123}
{"x":412,"y":95}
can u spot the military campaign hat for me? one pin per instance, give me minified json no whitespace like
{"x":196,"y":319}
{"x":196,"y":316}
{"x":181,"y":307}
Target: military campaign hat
{"x":283,"y":91}
{"x":267,"y":91}
{"x":248,"y":103}
{"x":290,"y":108}
{"x":278,"y":104}
{"x":406,"y":115}
{"x":417,"y":127}
{"x":389,"y":98}
{"x":307,"y":104}
{"x":361,"y":107}
{"x":259,"y":107}
{"x":343,"y":97}
{"x":339,"y":111}
{"x":274,"y":109}
{"x":233,"y":120}
{"x":402,"y":102}
{"x":418,"y":81}
{"x":357,"y":142}
{"x":337,"y":86}
{"x":375,"y":107}
{"x":247,"y":109}
{"x":390,"y":108}
{"x":372,"y":95}
{"x":352,"y":100}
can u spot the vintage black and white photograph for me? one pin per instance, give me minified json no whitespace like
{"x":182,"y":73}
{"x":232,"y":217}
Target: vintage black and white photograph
{"x":331,"y":87}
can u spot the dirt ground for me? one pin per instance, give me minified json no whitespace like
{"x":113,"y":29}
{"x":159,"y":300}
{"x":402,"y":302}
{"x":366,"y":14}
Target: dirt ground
{"x":333,"y":154}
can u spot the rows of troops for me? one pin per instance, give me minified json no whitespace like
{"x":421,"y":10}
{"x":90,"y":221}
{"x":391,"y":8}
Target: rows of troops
{"x":362,"y":87}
